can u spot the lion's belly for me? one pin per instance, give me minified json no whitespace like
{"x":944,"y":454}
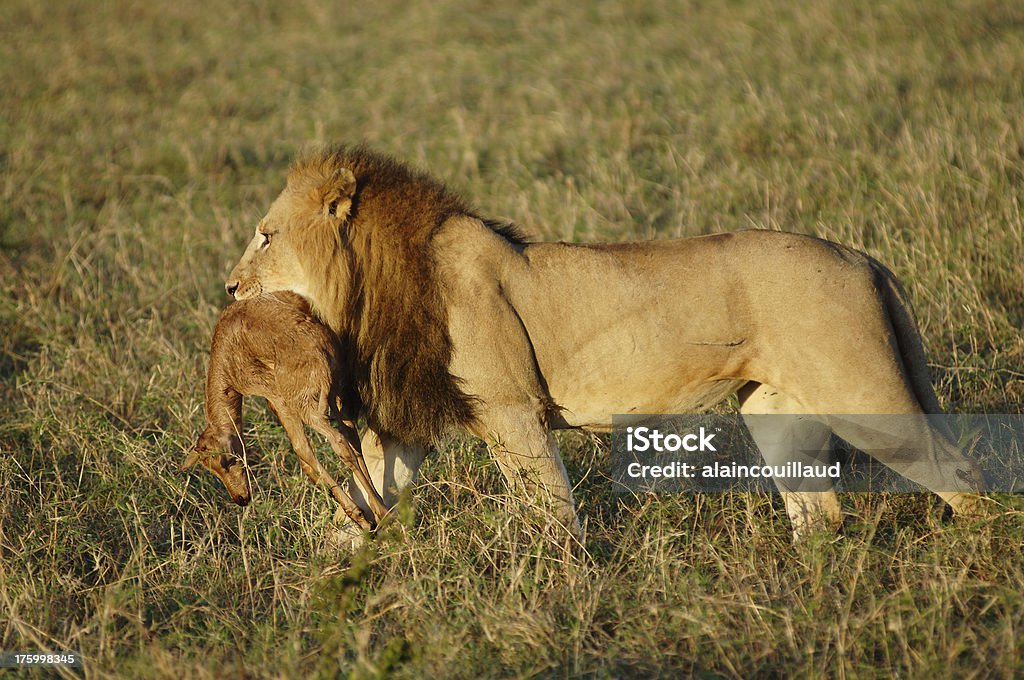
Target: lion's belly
{"x":593,"y":386}
{"x":594,"y":410}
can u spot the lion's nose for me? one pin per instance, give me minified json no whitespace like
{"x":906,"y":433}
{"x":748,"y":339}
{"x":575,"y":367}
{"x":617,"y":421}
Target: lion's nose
{"x":231,"y":287}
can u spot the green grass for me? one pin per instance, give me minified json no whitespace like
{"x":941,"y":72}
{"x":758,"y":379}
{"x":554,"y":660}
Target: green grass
{"x":140,"y":142}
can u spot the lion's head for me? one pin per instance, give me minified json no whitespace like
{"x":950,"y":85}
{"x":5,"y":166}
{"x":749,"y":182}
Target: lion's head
{"x":352,"y":232}
{"x":289,"y":246}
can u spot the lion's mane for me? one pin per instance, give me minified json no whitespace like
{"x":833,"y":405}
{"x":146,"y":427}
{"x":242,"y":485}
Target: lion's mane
{"x":393,"y":322}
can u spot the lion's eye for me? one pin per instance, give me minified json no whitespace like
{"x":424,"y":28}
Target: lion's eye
{"x":266,"y":240}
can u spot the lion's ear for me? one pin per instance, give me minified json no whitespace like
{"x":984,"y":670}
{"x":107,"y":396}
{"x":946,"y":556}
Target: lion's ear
{"x":336,"y":194}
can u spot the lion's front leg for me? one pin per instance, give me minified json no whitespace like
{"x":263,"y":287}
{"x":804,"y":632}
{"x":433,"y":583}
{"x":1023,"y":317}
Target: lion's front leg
{"x":528,"y":457}
{"x":493,"y":359}
{"x":393,"y":465}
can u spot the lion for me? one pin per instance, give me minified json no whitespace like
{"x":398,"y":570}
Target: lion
{"x":454,"y":320}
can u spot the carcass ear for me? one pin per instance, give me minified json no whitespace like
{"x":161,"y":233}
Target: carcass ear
{"x":191,"y":459}
{"x":236,"y":446}
{"x":336,"y":195}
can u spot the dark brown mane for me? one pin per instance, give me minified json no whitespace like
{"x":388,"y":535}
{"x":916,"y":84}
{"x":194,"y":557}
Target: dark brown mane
{"x":509,"y":231}
{"x":396,"y":334}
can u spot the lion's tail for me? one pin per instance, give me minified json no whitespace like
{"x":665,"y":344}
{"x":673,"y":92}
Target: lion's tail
{"x":915,"y":367}
{"x":908,"y":339}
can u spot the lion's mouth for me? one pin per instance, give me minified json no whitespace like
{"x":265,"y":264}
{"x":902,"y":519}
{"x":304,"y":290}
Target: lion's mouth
{"x":248,"y":291}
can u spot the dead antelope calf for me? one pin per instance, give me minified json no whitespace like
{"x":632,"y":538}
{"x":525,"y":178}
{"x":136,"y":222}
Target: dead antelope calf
{"x":271,"y":346}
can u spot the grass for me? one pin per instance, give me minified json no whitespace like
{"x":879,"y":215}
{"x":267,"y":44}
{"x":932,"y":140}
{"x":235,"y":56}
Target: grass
{"x":140,"y":142}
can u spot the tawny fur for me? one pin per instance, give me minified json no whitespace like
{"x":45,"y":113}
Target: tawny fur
{"x":273,"y":347}
{"x":454,"y":320}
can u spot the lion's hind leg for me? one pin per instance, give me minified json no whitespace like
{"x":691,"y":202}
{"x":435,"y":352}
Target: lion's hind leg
{"x":883,"y":414}
{"x":784,"y":435}
{"x":914,"y":441}
{"x":889,"y":424}
{"x":918,"y":449}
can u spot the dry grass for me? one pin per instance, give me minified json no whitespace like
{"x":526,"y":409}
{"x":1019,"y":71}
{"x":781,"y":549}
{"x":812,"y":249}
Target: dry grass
{"x":139,"y":143}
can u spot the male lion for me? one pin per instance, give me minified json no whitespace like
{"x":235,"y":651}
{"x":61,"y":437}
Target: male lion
{"x":456,"y":321}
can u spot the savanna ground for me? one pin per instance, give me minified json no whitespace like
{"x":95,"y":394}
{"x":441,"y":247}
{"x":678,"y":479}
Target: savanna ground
{"x":140,"y":142}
